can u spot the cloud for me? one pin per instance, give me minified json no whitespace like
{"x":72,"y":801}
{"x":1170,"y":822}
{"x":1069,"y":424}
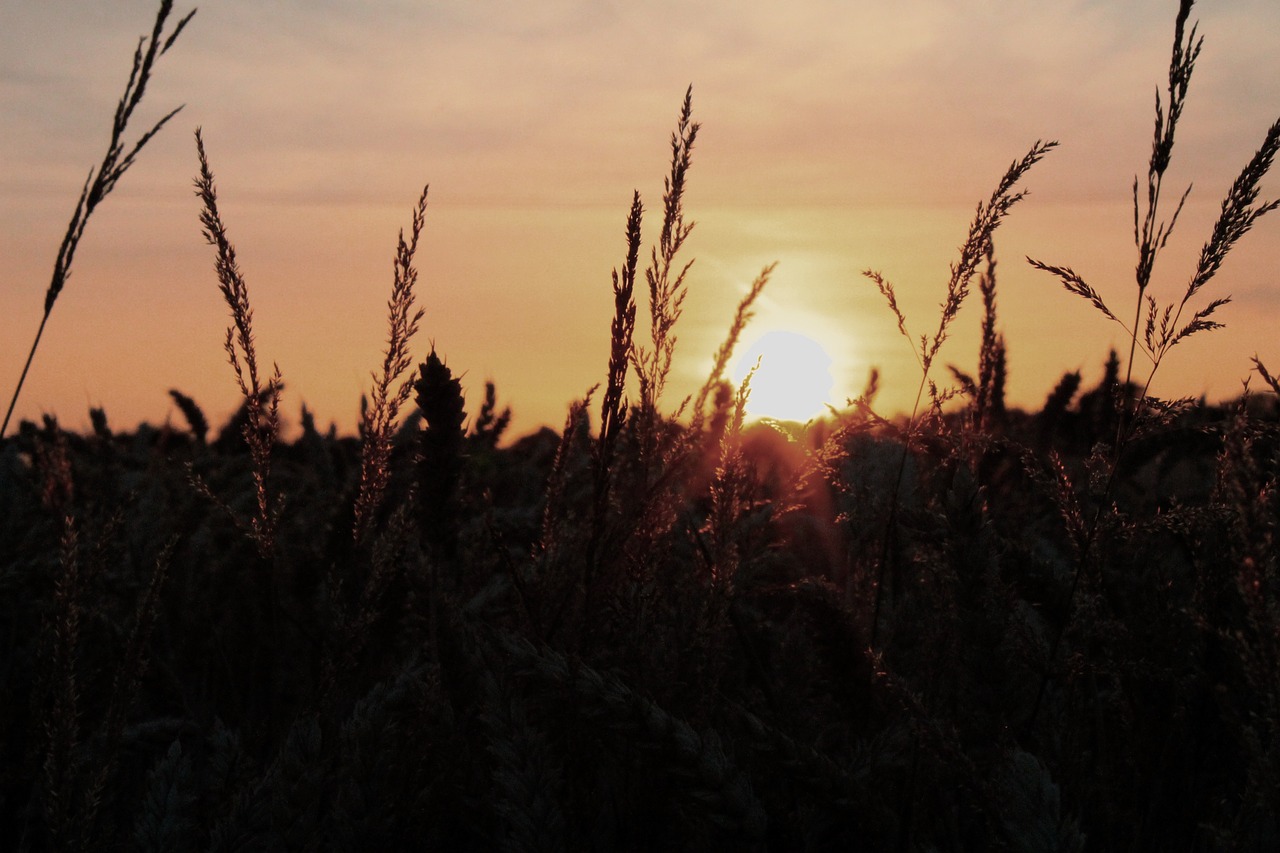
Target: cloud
{"x":826,"y":100}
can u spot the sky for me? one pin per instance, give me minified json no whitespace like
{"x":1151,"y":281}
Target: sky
{"x":836,"y":137}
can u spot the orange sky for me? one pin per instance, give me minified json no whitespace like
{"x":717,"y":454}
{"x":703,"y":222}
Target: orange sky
{"x":836,"y":136}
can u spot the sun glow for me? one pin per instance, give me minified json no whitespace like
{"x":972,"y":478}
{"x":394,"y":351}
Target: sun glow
{"x":794,"y":380}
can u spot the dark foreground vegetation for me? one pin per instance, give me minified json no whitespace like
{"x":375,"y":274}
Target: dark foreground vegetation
{"x":966,"y":628}
{"x":687,"y":664}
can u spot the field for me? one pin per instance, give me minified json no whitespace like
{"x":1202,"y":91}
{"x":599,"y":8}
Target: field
{"x":664,"y":626}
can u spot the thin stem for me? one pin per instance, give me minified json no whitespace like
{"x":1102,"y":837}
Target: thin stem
{"x":23,"y":378}
{"x":1128,"y":373}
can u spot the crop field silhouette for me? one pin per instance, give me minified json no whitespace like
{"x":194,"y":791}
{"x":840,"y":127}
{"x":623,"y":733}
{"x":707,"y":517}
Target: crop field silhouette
{"x":665,"y":625}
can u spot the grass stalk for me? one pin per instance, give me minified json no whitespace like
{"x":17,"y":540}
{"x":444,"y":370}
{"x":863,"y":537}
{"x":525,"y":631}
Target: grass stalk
{"x":720,"y":362}
{"x":261,"y":397}
{"x":975,"y":248}
{"x":379,"y":419}
{"x":103,"y":179}
{"x":667,"y":288}
{"x":613,"y":408}
{"x":1163,"y":328}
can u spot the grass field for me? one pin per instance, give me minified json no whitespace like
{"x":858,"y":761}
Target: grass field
{"x":963,"y":627}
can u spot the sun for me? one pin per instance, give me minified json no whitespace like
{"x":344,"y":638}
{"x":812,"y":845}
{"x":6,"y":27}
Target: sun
{"x":794,"y":381}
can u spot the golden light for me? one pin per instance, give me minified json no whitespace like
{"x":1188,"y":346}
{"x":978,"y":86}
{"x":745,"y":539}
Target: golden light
{"x":794,"y":380}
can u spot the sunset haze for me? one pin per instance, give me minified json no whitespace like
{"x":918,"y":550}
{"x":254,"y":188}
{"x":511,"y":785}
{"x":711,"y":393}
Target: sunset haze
{"x":836,"y":138}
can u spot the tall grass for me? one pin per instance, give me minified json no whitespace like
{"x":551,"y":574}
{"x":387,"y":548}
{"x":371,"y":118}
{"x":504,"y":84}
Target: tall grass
{"x":977,"y":245}
{"x":382,"y":416}
{"x":103,"y":179}
{"x":661,"y":627}
{"x":261,"y":396}
{"x":1163,"y":327}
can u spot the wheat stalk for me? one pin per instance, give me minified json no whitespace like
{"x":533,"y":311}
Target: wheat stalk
{"x":438,"y":394}
{"x":193,"y":413}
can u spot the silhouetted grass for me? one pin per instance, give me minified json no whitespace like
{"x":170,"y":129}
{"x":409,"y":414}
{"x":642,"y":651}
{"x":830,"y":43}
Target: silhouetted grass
{"x":971,"y":628}
{"x":103,"y":179}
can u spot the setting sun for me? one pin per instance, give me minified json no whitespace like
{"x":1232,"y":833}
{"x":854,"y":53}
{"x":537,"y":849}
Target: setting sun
{"x":793,"y":382}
